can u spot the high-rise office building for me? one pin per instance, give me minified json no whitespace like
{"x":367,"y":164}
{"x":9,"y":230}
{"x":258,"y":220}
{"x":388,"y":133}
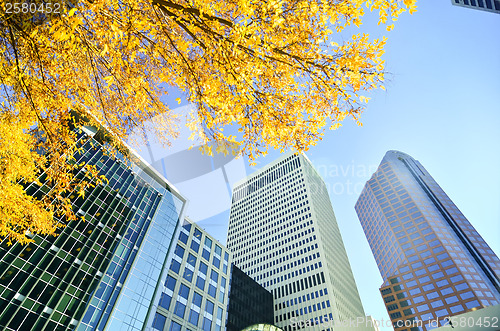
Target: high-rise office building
{"x":194,"y":295}
{"x":433,"y":262}
{"x":101,"y":273}
{"x":283,"y":233}
{"x":487,"y":5}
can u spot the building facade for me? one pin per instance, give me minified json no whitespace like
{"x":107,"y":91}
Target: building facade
{"x":433,"y":262}
{"x":283,"y":234}
{"x":100,"y":273}
{"x":249,"y":303}
{"x":487,"y":5}
{"x":194,"y":295}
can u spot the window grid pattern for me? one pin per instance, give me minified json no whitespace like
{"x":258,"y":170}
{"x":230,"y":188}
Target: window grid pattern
{"x":49,"y":283}
{"x":195,"y":293}
{"x":277,"y":220}
{"x":427,"y":270}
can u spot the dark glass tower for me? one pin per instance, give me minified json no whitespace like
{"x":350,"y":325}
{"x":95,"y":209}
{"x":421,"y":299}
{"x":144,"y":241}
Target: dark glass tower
{"x":433,"y":262}
{"x":249,"y":303}
{"x":101,"y":273}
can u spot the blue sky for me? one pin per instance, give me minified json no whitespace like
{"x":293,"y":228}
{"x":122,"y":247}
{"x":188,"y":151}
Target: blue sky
{"x":441,"y":107}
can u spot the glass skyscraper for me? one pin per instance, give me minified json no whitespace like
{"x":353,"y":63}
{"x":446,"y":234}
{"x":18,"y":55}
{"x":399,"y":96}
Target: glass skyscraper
{"x":283,"y":233}
{"x":433,"y":262}
{"x":101,"y":273}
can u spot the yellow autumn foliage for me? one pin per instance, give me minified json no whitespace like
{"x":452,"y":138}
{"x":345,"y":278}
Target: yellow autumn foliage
{"x":271,"y":69}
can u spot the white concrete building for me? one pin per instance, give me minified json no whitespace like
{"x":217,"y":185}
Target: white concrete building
{"x":283,"y":233}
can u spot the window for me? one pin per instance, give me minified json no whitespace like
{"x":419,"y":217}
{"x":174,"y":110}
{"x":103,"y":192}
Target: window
{"x":175,"y":266}
{"x":159,"y":322}
{"x":179,"y":309}
{"x":207,"y":324}
{"x":422,"y":308}
{"x":183,"y":237}
{"x":170,"y":282}
{"x":206,"y":254}
{"x":165,"y":300}
{"x":209,"y":307}
{"x":436,"y":304}
{"x":197,"y":298}
{"x":197,"y":234}
{"x":214,"y":276}
{"x":193,"y":317}
{"x":184,"y":291}
{"x":200,"y":283}
{"x":212,"y":290}
{"x":195,"y":246}
{"x":442,"y":283}
{"x":188,"y":274}
{"x":179,"y":251}
{"x":191,"y":260}
{"x":472,"y":304}
{"x":452,"y":299}
{"x":203,"y":268}
{"x":175,"y":326}
{"x":216,"y":262}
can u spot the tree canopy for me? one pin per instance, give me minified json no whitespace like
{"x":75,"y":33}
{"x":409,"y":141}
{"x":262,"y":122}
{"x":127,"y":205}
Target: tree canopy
{"x":271,"y":69}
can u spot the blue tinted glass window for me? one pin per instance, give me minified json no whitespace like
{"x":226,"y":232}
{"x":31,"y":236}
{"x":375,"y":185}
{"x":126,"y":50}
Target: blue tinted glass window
{"x":188,"y":274}
{"x":179,"y":251}
{"x":218,"y":250}
{"x":472,"y":304}
{"x":207,"y":324}
{"x":209,"y":307}
{"x":456,"y":309}
{"x":200,"y":283}
{"x":191,"y":260}
{"x":203,"y":268}
{"x":184,"y":291}
{"x":212,"y":290}
{"x":183,"y":237}
{"x":208,"y":242}
{"x":446,"y":291}
{"x":159,"y":321}
{"x":175,"y":266}
{"x":197,"y":299}
{"x":193,"y":317}
{"x":179,"y":309}
{"x":226,"y":257}
{"x":195,"y":246}
{"x":165,"y":300}
{"x":170,"y":282}
{"x":214,"y":276}
{"x":206,"y":254}
{"x":197,"y":233}
{"x":216,"y":262}
{"x":187,"y":226}
{"x":224,"y":268}
{"x":175,"y":326}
